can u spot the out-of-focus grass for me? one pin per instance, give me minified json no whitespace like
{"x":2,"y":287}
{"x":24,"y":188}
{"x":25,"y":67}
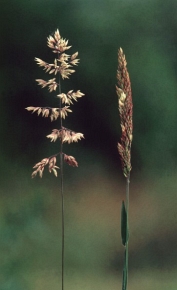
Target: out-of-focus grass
{"x":30,"y":226}
{"x":145,"y":280}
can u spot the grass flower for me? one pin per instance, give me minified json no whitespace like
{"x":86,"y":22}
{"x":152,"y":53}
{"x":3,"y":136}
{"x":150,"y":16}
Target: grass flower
{"x":126,"y":111}
{"x":125,"y":106}
{"x":62,"y":67}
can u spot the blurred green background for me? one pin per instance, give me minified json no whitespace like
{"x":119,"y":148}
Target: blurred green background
{"x":30,"y":210}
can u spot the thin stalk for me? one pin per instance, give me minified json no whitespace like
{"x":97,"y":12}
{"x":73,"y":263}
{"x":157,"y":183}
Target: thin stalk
{"x":62,"y":200}
{"x":127,"y":226}
{"x":63,"y":228}
{"x":125,"y":221}
{"x":125,"y":268}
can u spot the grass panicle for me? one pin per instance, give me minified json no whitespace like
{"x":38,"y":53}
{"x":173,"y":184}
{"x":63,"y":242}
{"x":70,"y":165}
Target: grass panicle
{"x":61,"y":68}
{"x":125,"y":105}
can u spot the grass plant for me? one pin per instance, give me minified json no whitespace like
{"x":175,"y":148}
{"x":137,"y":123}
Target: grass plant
{"x":124,"y":148}
{"x":62,"y":68}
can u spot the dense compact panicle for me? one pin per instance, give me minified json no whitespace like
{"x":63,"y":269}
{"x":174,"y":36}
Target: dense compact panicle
{"x":126,"y":112}
{"x":62,"y":66}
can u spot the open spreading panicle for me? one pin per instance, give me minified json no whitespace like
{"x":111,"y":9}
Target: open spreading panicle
{"x":125,"y":105}
{"x":62,"y":66}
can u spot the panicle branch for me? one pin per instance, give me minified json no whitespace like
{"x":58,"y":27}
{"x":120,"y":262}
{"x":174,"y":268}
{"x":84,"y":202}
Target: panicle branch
{"x":67,"y":98}
{"x":52,"y":84}
{"x":65,"y":135}
{"x":70,"y":160}
{"x":53,"y":113}
{"x":125,"y":105}
{"x":51,"y":161}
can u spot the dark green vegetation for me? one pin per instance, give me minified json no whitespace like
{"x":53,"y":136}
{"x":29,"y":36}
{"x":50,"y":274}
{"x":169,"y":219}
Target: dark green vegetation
{"x":30,"y":233}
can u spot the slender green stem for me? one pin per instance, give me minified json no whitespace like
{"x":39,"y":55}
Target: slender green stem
{"x":127,"y":226}
{"x":62,"y":200}
{"x":126,"y":219}
{"x":63,"y":229}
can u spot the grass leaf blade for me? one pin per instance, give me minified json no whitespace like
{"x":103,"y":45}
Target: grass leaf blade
{"x":123,"y":224}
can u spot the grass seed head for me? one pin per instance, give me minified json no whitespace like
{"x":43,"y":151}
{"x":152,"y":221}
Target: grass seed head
{"x":125,"y":105}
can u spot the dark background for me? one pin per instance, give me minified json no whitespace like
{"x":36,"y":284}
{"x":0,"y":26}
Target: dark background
{"x":30,"y":210}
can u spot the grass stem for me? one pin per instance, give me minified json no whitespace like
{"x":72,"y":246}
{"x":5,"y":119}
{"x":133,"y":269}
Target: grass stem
{"x":127,"y":225}
{"x":62,"y":200}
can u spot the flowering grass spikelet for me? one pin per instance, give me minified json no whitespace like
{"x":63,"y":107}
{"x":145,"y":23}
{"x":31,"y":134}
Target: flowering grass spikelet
{"x":125,"y":106}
